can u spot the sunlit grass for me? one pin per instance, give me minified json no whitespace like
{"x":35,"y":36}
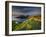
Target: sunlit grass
{"x":33,"y":23}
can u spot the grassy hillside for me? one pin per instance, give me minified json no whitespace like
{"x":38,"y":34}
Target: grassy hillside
{"x":32,"y":23}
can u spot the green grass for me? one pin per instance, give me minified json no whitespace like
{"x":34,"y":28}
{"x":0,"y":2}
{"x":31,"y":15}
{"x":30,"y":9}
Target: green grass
{"x":29,"y":24}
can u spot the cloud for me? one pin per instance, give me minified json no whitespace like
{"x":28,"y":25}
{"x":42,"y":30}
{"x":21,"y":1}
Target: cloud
{"x":22,"y":10}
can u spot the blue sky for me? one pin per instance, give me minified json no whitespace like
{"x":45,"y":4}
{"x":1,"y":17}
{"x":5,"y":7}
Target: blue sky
{"x":24,"y":10}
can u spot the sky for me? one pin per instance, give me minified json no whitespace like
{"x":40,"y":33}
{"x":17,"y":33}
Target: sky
{"x":25,"y":10}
